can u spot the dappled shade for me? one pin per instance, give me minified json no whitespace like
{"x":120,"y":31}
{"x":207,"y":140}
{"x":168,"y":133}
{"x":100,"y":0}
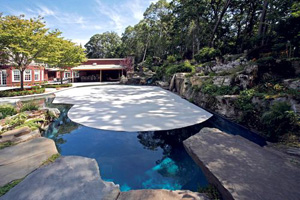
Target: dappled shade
{"x":130,"y":108}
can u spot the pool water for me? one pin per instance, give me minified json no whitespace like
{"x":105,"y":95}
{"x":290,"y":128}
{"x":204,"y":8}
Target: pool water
{"x":138,"y":160}
{"x":134,"y":160}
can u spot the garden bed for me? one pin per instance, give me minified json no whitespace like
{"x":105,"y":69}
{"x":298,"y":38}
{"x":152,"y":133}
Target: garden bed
{"x":19,"y":92}
{"x":57,"y":85}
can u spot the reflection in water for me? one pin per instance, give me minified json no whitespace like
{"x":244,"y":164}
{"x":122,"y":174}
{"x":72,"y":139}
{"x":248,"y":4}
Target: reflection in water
{"x":142,"y":160}
{"x":152,"y":160}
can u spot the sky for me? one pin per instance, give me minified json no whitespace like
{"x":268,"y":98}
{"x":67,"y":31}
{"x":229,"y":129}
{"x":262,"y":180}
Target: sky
{"x":79,"y":20}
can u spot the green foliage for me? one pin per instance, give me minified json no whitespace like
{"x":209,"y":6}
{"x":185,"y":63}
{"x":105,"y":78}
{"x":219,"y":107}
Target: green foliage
{"x":58,"y":86}
{"x":211,"y":191}
{"x":7,"y":110}
{"x":4,"y":189}
{"x":17,"y":120}
{"x":29,"y":107}
{"x":280,"y":119}
{"x":171,"y":59}
{"x":18,"y":92}
{"x":207,"y":54}
{"x":182,"y":67}
{"x":209,"y":88}
{"x":33,"y":124}
{"x":105,"y":45}
{"x":51,"y":159}
{"x":5,"y":144}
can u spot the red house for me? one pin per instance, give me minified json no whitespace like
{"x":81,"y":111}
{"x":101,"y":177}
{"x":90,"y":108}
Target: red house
{"x":93,"y":70}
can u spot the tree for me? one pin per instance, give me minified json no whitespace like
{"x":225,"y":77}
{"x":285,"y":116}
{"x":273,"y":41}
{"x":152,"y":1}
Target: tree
{"x":23,"y":41}
{"x":67,"y":54}
{"x":105,"y":45}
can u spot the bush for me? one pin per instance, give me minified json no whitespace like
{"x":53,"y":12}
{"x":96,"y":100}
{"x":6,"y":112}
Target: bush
{"x":18,"y":92}
{"x":280,"y":119}
{"x":58,"y":85}
{"x":207,"y":54}
{"x":17,"y":120}
{"x":7,"y":110}
{"x":171,"y":59}
{"x":183,"y":67}
{"x":29,"y":107}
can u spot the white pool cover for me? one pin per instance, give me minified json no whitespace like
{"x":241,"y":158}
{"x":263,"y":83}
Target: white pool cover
{"x":130,"y":108}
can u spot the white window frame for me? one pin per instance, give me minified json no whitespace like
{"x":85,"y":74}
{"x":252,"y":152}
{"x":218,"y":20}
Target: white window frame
{"x":42,"y":75}
{"x":13,"y":75}
{"x":30,"y":73}
{"x":38,"y":73}
{"x":65,"y":75}
{"x":75,"y":74}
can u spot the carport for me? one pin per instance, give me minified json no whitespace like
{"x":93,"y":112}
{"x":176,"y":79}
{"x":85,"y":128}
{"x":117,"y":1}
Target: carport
{"x":98,"y":73}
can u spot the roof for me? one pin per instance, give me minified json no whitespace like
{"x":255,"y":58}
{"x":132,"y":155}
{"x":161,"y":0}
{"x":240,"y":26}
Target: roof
{"x":97,"y":67}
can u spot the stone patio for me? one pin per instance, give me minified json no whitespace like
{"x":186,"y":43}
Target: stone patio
{"x":130,"y":108}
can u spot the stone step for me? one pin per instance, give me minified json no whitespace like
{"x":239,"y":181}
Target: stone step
{"x":241,"y":169}
{"x":70,"y":177}
{"x":19,"y":160}
{"x":17,"y":132}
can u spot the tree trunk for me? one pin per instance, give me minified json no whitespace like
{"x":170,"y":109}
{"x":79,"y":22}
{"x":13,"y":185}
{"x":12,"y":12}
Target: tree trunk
{"x":262,"y":22}
{"x":22,"y":78}
{"x":212,"y":39}
{"x":61,"y":77}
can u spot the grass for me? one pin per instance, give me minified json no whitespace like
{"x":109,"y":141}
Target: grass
{"x":51,"y":159}
{"x":58,"y":85}
{"x":4,"y":189}
{"x":6,"y":144}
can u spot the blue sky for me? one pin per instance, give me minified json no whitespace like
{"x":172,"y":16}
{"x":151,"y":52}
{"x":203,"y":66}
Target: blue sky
{"x":80,"y":19}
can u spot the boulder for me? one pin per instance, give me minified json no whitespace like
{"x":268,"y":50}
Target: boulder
{"x":32,"y":135}
{"x":292,"y":84}
{"x":164,"y":85}
{"x":222,"y":80}
{"x":17,"y":132}
{"x":54,"y":111}
{"x":19,"y":160}
{"x":224,"y":105}
{"x":161,"y":194}
{"x":70,"y":177}
{"x":241,"y":169}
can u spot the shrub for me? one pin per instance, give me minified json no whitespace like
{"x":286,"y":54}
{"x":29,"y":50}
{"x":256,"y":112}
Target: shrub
{"x":171,"y":59}
{"x":18,"y":92}
{"x":183,"y":67}
{"x":29,"y":107}
{"x":280,"y":119}
{"x":207,"y":54}
{"x":57,"y":86}
{"x":7,"y":110}
{"x":17,"y":120}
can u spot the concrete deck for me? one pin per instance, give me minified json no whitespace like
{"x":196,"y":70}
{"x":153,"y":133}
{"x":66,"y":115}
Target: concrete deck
{"x":241,"y":169}
{"x":130,"y":108}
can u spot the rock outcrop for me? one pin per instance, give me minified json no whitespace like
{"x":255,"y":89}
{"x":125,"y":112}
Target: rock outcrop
{"x":241,"y":169}
{"x":70,"y":177}
{"x":19,"y":160}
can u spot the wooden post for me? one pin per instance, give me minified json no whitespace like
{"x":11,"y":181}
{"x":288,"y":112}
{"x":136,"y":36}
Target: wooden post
{"x":100,"y":75}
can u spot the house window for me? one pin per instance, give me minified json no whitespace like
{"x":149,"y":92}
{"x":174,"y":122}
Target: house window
{"x":67,"y":74}
{"x":16,"y":75}
{"x":75,"y":74}
{"x":27,"y":75}
{"x":36,"y":75}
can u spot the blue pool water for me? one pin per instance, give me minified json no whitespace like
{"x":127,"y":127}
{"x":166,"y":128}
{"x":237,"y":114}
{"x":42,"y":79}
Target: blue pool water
{"x":134,"y":160}
{"x":138,"y":160}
